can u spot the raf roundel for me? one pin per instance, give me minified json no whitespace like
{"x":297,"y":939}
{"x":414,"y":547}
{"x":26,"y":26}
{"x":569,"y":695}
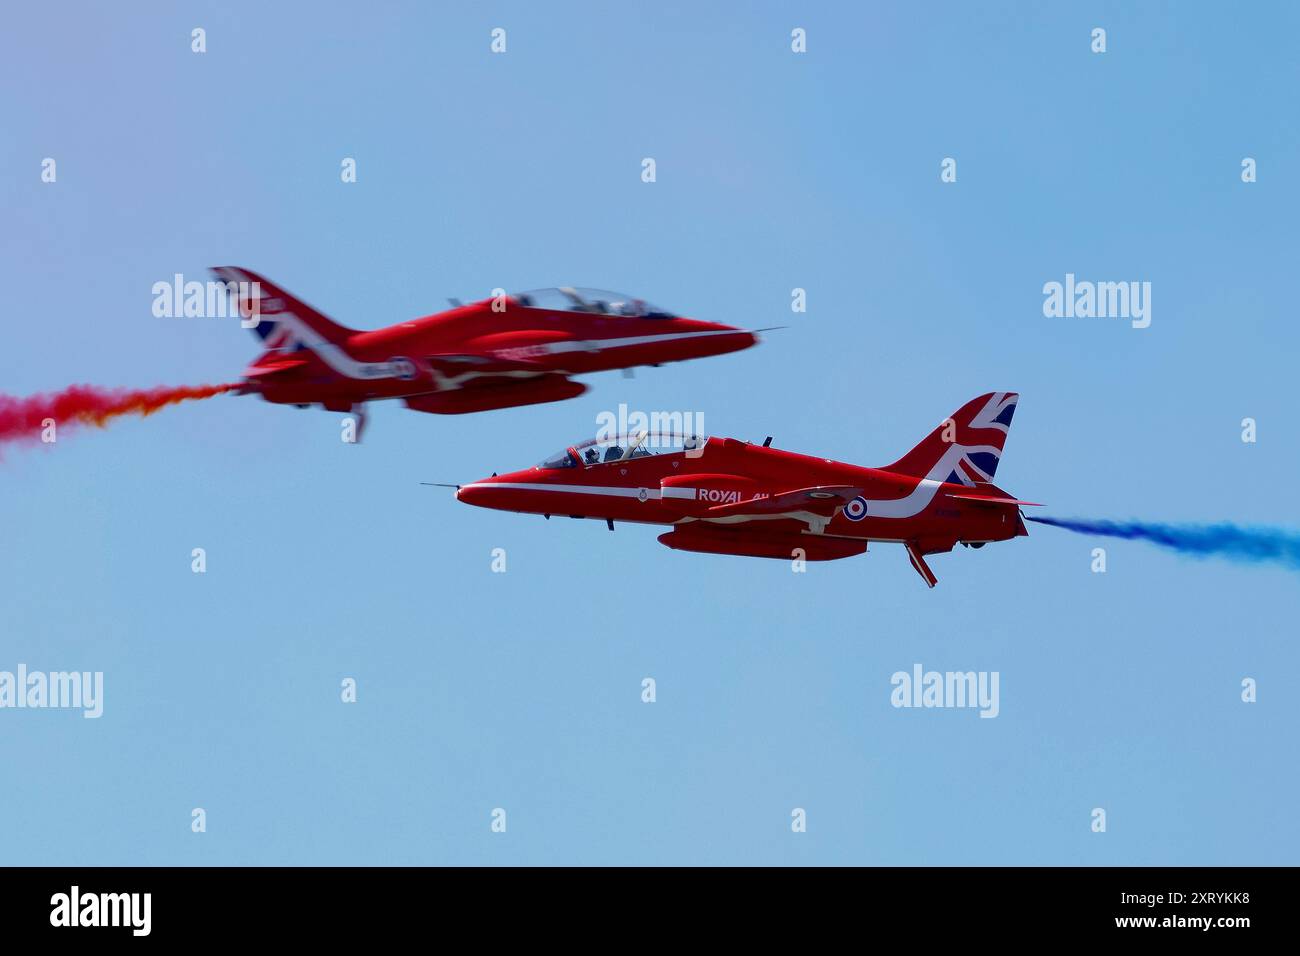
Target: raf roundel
{"x":856,"y":509}
{"x":403,"y":367}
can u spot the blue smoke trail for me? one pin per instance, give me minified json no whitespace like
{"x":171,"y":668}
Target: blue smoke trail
{"x":1251,"y":545}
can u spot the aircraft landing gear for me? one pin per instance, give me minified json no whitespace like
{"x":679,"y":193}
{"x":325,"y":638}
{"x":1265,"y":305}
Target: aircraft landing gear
{"x":359,"y":413}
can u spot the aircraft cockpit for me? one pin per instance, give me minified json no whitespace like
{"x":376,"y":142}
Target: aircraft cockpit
{"x":594,"y":301}
{"x":607,"y":450}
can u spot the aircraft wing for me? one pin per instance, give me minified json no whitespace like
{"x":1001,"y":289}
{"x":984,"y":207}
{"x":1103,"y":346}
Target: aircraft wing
{"x":822,"y":500}
{"x":482,"y":363}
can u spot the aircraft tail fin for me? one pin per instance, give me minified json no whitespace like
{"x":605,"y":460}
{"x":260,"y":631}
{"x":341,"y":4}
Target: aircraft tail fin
{"x":966,"y":447}
{"x":285,"y":323}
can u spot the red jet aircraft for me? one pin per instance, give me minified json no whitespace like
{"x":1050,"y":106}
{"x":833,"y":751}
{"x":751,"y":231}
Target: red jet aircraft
{"x":510,"y":350}
{"x":724,"y":496}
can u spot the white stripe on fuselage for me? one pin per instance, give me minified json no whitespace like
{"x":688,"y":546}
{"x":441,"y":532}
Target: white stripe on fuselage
{"x":897,"y":508}
{"x":909,"y":506}
{"x":920,"y":497}
{"x":679,"y":492}
{"x":343,"y":363}
{"x":333,"y":356}
{"x":571,"y":489}
{"x":598,"y":345}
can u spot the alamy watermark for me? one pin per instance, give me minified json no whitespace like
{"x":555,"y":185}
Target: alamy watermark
{"x":75,"y":908}
{"x":83,"y":690}
{"x":1104,"y":300}
{"x":213,"y":299}
{"x":655,"y":430}
{"x":922,"y":688}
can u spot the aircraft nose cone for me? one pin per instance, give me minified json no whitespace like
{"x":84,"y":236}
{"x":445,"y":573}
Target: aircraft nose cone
{"x":489,"y":493}
{"x":714,"y":338}
{"x":731,"y":339}
{"x":474,"y":494}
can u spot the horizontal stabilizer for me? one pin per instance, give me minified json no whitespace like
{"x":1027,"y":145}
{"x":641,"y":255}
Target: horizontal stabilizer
{"x":275,"y":364}
{"x":985,"y":499}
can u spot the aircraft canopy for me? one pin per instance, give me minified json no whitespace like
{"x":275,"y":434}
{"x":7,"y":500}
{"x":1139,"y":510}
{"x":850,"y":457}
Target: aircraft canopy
{"x":598,"y":301}
{"x":604,"y":450}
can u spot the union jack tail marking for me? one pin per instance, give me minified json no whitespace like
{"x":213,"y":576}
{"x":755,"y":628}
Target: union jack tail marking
{"x":966,"y":447}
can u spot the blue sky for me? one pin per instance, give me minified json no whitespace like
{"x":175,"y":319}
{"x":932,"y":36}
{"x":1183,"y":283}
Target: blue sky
{"x":522,"y":690}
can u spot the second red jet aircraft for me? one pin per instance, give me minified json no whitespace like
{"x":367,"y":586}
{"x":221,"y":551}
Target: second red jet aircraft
{"x":725,"y":496}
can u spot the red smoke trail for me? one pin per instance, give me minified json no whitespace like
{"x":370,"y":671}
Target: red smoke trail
{"x":23,"y":419}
